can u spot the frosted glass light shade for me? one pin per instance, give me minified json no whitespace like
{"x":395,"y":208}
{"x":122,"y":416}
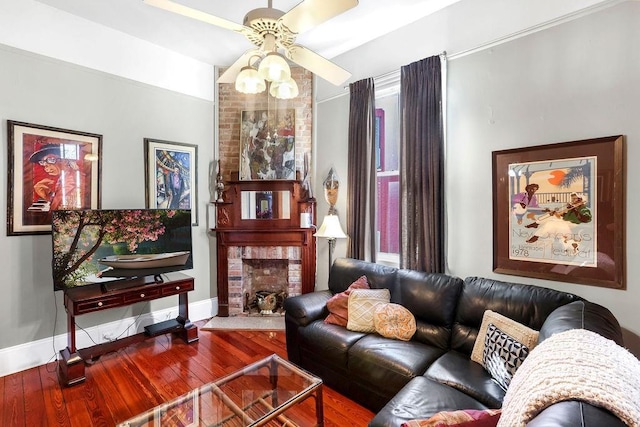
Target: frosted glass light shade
{"x":248,"y":81}
{"x":284,"y":90}
{"x":331,"y":228}
{"x":274,"y":68}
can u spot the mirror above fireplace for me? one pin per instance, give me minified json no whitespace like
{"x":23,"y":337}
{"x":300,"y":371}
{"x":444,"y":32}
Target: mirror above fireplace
{"x":265,"y":205}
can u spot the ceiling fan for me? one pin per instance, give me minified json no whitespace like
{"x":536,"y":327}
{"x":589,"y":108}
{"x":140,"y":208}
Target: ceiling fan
{"x":272,"y":30}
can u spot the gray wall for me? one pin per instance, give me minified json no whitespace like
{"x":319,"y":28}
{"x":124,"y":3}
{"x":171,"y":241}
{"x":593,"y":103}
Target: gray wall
{"x":573,"y":81}
{"x":41,"y":90}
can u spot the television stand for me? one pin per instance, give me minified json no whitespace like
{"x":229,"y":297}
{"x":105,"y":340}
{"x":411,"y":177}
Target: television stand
{"x":89,"y":299}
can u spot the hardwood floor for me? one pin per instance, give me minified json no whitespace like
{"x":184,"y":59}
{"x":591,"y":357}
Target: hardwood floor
{"x":136,"y":378}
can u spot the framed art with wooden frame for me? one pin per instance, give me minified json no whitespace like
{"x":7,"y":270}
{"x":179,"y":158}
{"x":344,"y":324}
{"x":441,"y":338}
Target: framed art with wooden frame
{"x":268,"y":144}
{"x":558,"y":212}
{"x":49,"y":168}
{"x":170,"y":176}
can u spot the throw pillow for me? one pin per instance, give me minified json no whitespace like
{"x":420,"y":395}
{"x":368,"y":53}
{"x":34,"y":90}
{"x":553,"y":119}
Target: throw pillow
{"x":362,"y":305}
{"x":502,"y":345}
{"x":460,"y":418}
{"x":394,"y":321}
{"x":338,"y":304}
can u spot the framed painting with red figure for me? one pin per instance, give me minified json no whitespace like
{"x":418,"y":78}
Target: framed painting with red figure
{"x":558,"y":212}
{"x":49,"y":168}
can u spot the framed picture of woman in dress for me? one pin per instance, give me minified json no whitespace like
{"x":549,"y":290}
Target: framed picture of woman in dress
{"x":49,"y":168}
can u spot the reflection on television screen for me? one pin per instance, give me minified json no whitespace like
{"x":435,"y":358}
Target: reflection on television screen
{"x":98,"y":246}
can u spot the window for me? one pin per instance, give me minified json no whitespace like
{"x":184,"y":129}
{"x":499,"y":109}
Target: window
{"x":387,"y":134}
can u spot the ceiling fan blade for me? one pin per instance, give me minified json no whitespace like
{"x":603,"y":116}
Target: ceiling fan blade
{"x":309,"y":13}
{"x":196,"y":14}
{"x":229,"y":76}
{"x":317,"y":64}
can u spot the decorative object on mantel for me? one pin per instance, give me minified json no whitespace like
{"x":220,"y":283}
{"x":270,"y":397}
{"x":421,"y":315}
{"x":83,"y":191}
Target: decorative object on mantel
{"x":306,"y":177}
{"x":219,"y":185}
{"x":272,"y":30}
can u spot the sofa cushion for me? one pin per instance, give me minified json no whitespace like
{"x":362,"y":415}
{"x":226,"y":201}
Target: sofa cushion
{"x":432,"y":298}
{"x":526,"y":304}
{"x":338,"y":305}
{"x":389,"y":364}
{"x":344,"y":271}
{"x":422,"y":398}
{"x":362,"y":306}
{"x":502,"y":345}
{"x":394,"y":321}
{"x":457,"y":370}
{"x":328,"y":342}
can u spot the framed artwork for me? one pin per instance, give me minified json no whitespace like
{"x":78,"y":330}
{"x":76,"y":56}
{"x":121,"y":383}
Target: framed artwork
{"x":49,"y":169}
{"x":170,"y":176}
{"x":267,"y":144}
{"x":558,"y":212}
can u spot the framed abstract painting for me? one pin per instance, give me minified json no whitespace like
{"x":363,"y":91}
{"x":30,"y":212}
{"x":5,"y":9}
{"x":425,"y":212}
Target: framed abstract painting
{"x":267,"y":144}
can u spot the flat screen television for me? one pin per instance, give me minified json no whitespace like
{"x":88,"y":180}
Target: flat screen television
{"x":118,"y":246}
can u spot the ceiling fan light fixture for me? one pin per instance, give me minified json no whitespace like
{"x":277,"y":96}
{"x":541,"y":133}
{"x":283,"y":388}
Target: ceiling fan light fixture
{"x":248,"y":81}
{"x":284,"y":90}
{"x":274,"y":68}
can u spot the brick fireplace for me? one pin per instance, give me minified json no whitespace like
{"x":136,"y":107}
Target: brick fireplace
{"x":269,"y":255}
{"x":277,"y":269}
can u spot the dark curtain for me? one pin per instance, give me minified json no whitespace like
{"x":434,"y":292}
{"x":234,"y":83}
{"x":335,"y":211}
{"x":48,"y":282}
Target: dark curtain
{"x":422,"y":166}
{"x":361,"y":188}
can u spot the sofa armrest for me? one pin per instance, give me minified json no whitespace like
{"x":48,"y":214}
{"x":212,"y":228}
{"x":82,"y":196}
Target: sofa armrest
{"x":304,"y":309}
{"x":582,"y":315}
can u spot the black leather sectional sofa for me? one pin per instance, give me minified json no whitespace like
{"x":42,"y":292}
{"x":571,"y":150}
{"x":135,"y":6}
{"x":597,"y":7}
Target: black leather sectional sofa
{"x":433,"y":372}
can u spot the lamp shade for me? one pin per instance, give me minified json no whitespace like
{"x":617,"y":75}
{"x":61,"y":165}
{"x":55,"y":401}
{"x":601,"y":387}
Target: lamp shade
{"x":274,"y":68}
{"x":248,"y":81}
{"x":284,"y":90}
{"x":331,"y":228}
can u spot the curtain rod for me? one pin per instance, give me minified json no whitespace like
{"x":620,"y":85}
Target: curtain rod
{"x":395,"y":74}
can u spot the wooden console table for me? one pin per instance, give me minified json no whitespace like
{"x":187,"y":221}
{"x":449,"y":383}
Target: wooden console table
{"x":92,"y":298}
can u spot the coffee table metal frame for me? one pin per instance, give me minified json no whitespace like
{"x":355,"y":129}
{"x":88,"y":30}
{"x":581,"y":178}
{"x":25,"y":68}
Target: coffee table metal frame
{"x":272,"y":410}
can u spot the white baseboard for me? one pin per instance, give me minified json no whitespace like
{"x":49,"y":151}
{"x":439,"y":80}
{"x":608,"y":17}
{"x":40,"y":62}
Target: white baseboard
{"x":36,"y":353}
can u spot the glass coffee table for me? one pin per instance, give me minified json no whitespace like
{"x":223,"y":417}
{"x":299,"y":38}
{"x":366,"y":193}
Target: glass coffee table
{"x":258,"y":395}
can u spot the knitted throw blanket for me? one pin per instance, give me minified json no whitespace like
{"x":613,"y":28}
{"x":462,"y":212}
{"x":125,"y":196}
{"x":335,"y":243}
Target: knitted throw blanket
{"x":574,"y":365}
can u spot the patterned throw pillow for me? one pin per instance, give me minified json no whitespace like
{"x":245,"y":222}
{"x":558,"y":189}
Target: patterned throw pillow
{"x":394,"y":321}
{"x":502,"y":345}
{"x":362,"y":305}
{"x":338,"y":305}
